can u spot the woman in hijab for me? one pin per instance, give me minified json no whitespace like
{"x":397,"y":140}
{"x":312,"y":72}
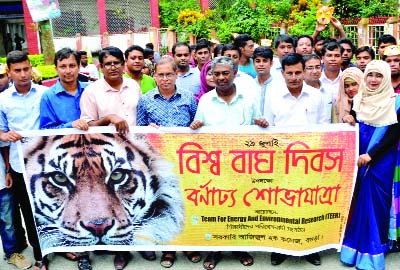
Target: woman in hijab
{"x":350,"y":82}
{"x":206,"y":81}
{"x":376,"y":106}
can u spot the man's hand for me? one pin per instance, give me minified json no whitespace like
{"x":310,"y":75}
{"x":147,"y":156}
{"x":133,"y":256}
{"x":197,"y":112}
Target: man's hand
{"x":196,"y":124}
{"x":80,"y":124}
{"x":10,"y":136}
{"x":338,"y":26}
{"x":261,"y":122}
{"x":363,"y":160}
{"x":320,"y":27}
{"x":120,"y":124}
{"x":349,"y":119}
{"x":9,"y":180}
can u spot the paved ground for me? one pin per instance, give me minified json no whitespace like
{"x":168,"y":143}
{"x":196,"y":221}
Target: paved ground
{"x":330,"y":261}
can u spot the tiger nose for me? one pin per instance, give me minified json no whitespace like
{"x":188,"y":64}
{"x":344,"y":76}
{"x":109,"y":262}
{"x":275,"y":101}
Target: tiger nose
{"x":99,"y":227}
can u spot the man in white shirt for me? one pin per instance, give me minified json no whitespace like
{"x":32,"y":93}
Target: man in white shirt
{"x":332,"y":59}
{"x":298,"y":103}
{"x":86,"y":69}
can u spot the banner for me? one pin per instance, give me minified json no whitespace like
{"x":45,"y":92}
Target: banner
{"x":285,"y":190}
{"x":42,"y":10}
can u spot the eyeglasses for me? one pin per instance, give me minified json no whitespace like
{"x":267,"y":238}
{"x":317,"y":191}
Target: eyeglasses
{"x":163,"y":76}
{"x":313,"y":67}
{"x":110,"y":64}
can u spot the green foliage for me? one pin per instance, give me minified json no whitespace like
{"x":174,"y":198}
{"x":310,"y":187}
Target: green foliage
{"x":304,"y":24}
{"x":379,"y":8}
{"x":36,"y":59}
{"x":169,"y":11}
{"x":47,"y":71}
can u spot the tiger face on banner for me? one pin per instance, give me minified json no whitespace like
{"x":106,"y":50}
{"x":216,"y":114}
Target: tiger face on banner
{"x":102,"y":189}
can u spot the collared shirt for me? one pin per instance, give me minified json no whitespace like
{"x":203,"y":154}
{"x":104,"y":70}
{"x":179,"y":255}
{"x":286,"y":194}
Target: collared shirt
{"x":249,"y":69}
{"x":58,"y":108}
{"x":214,"y":111}
{"x":331,"y":86}
{"x":327,"y":97}
{"x":276,"y":70}
{"x":147,"y":83}
{"x":90,"y":70}
{"x":264,"y":88}
{"x":246,"y":84}
{"x":189,"y":81}
{"x":20,"y":112}
{"x":177,"y":111}
{"x":283,"y":109}
{"x":100,"y":99}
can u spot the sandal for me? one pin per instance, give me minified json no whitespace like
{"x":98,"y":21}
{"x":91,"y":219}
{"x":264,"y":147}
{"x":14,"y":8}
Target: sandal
{"x":193,"y":256}
{"x":43,"y":265}
{"x":212,"y":260}
{"x":245,"y":258}
{"x":69,"y":256}
{"x":167,"y":259}
{"x":84,"y":264}
{"x":148,"y":255}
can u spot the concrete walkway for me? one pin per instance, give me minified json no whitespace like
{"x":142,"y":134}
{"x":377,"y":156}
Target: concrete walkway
{"x":329,"y":259}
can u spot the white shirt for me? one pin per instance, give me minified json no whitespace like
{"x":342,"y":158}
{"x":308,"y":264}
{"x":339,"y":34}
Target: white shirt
{"x":245,"y":82}
{"x":328,"y":98}
{"x":331,"y":86}
{"x":276,"y":70}
{"x":91,"y":70}
{"x":283,"y":109}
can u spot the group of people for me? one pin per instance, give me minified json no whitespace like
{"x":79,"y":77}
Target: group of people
{"x":311,"y":80}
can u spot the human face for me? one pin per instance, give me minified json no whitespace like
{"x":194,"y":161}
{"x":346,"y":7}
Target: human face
{"x":304,"y":46}
{"x":165,"y":77}
{"x":373,"y":80}
{"x":151,"y":57}
{"x":135,"y":62}
{"x":318,"y":46}
{"x":347,"y":54}
{"x":362,"y":59}
{"x":4,"y":83}
{"x":248,"y":49}
{"x":146,"y":71}
{"x":112,"y":68}
{"x":351,"y":88}
{"x":21,"y":74}
{"x":182,"y":57}
{"x":84,"y":60}
{"x":382,"y":48}
{"x":234,"y":55}
{"x":223,"y":76}
{"x":294,"y":76}
{"x":283,"y":49}
{"x":262,"y":65}
{"x":313,"y":70}
{"x":394,"y":63}
{"x":202,"y":56}
{"x":68,"y":70}
{"x":332,"y":60}
{"x":210,"y":79}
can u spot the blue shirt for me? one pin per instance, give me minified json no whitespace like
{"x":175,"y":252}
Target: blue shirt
{"x":20,"y":112}
{"x":189,"y":81}
{"x":58,"y":108}
{"x":178,"y":111}
{"x":249,"y":69}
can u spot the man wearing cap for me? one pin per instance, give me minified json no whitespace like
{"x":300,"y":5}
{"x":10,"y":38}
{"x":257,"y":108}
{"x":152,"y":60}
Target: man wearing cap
{"x":4,"y":81}
{"x":392,"y":57}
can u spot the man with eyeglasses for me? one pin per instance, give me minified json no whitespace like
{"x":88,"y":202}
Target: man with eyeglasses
{"x":312,"y":75}
{"x":113,"y":99}
{"x":188,"y":78}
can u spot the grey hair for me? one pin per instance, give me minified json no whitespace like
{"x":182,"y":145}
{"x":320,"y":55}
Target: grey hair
{"x":222,"y":60}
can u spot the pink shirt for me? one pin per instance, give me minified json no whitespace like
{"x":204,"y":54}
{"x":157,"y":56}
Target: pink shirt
{"x":99,"y":100}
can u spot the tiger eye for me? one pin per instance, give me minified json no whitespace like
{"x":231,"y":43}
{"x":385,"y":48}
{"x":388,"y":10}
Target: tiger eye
{"x":117,"y":176}
{"x":60,"y":178}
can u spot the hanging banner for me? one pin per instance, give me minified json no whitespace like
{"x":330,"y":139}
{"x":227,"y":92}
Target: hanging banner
{"x":286,"y":190}
{"x":42,"y":10}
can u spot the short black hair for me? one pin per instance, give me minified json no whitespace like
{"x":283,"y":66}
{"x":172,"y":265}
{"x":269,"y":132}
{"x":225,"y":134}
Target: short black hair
{"x":113,"y":51}
{"x":367,"y":49}
{"x":331,"y":46}
{"x":283,"y":38}
{"x":264,"y":52}
{"x":82,"y":53}
{"x":202,"y":45}
{"x":241,"y":40}
{"x":147,"y":52}
{"x":180,"y":44}
{"x":311,"y":56}
{"x":348,"y":42}
{"x":386,"y":38}
{"x":133,"y":48}
{"x":65,"y":53}
{"x":218,"y":48}
{"x":14,"y":57}
{"x":149,"y":45}
{"x":230,"y":47}
{"x":304,"y":36}
{"x":319,"y":38}
{"x":292,"y":59}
